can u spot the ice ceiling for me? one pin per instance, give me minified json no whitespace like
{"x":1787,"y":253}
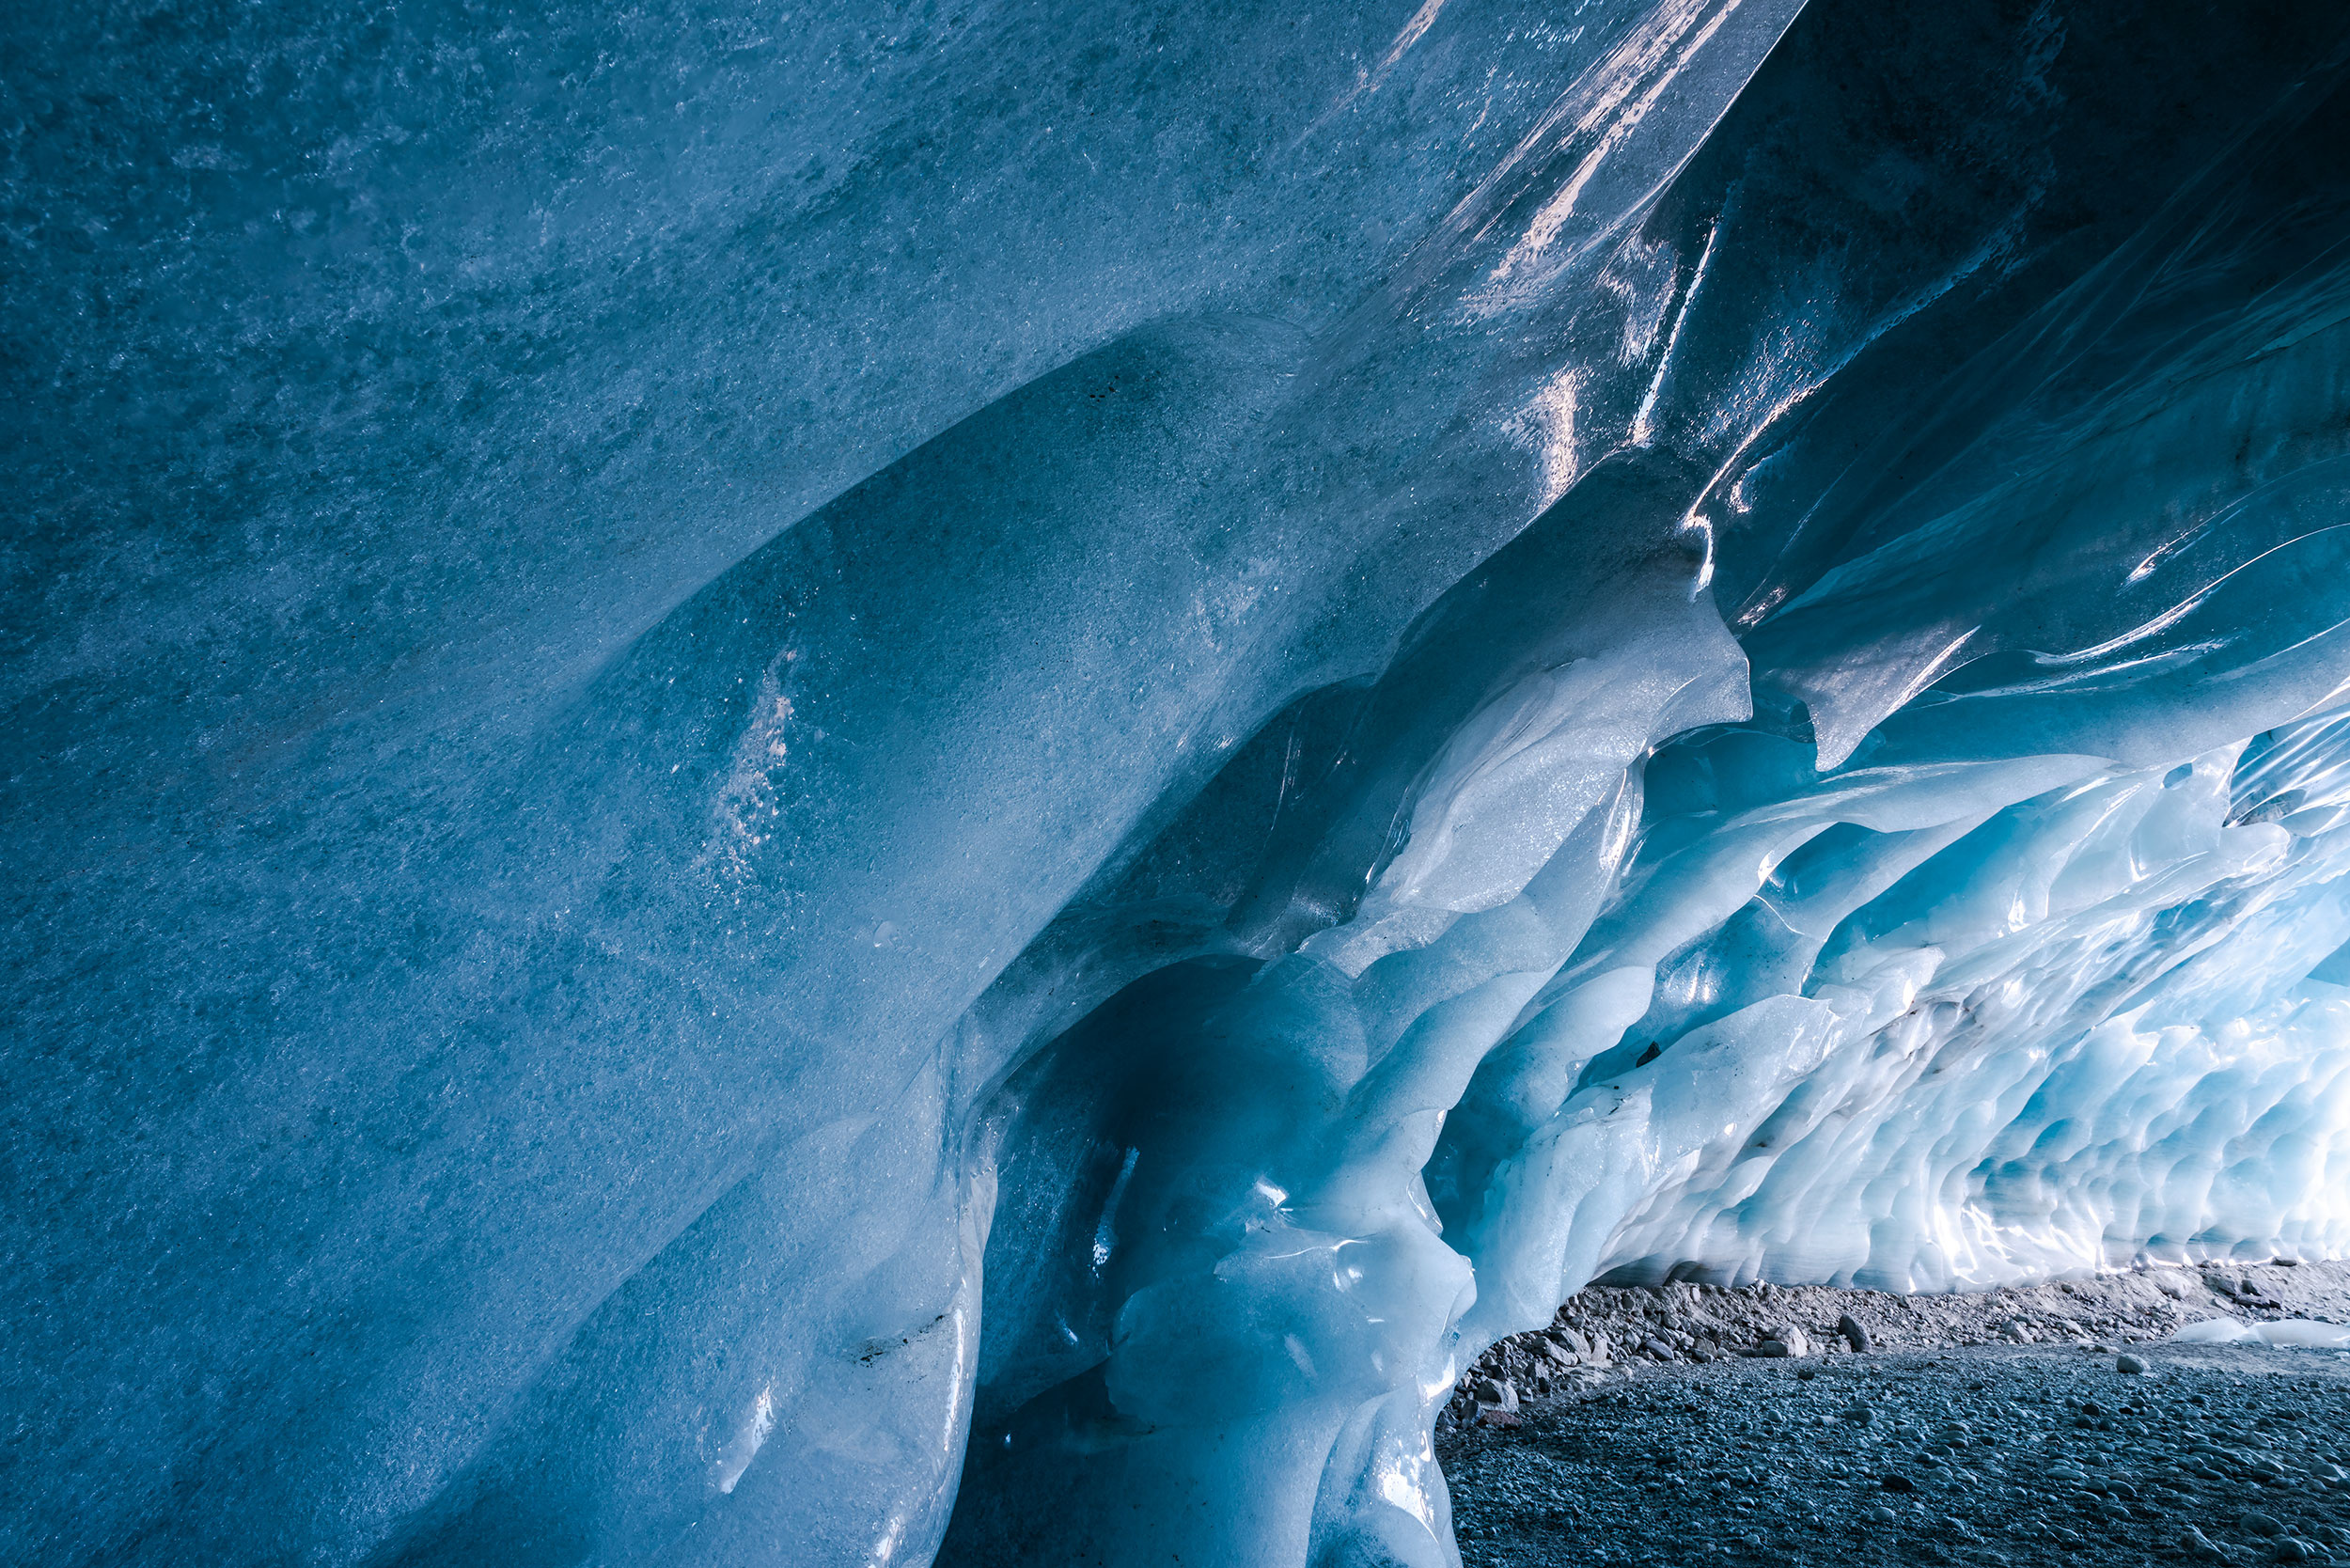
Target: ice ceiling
{"x":820,"y":787}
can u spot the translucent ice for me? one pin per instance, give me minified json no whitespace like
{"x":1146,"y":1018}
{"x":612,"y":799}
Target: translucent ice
{"x":2302,"y":1333}
{"x":949,"y":782}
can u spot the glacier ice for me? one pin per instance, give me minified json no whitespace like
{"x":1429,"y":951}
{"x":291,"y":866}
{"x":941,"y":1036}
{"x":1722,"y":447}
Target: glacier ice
{"x":2302,"y":1333}
{"x":951,"y":782}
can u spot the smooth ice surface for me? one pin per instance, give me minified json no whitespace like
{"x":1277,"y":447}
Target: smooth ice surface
{"x":2302,"y":1332}
{"x":925,"y":781}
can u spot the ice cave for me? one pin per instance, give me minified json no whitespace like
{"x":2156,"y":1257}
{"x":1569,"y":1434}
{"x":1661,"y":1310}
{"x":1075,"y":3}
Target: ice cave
{"x":953,"y":780}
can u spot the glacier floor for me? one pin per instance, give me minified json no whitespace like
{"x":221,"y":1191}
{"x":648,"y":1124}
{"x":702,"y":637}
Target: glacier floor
{"x":1605,"y":1330}
{"x":2215,"y":1455}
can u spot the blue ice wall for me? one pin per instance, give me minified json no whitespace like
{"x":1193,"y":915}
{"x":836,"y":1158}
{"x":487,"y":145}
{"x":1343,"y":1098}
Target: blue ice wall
{"x":930,"y":781}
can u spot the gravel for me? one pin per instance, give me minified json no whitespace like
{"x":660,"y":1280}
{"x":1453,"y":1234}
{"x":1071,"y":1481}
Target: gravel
{"x":1986,"y":1454}
{"x":1603,"y":1329}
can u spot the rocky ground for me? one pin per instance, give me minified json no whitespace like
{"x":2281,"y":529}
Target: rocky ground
{"x":1987,"y":1429}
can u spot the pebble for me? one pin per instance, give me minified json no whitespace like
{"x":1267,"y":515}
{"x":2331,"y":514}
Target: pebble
{"x":1910,"y":1460}
{"x":2128,"y":1363}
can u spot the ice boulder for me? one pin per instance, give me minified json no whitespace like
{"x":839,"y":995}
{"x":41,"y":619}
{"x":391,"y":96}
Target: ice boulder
{"x":2303,"y":1333}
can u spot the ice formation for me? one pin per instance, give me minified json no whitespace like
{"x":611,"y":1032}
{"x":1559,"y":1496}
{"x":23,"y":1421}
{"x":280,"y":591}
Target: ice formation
{"x":2303,"y":1333}
{"x":922,"y":782}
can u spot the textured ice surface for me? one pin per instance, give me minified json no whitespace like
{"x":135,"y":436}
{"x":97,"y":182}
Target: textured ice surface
{"x":827,"y":788}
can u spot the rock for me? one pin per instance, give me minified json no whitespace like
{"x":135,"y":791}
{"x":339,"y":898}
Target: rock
{"x":1495,"y":1395}
{"x":2261,"y":1524}
{"x":2290,"y":1550}
{"x":2197,"y":1545}
{"x":1857,"y":1413}
{"x":1895,"y":1481}
{"x":1883,"y":1516}
{"x":1855,"y":1335}
{"x":2128,"y":1363}
{"x":1774,"y":1349}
